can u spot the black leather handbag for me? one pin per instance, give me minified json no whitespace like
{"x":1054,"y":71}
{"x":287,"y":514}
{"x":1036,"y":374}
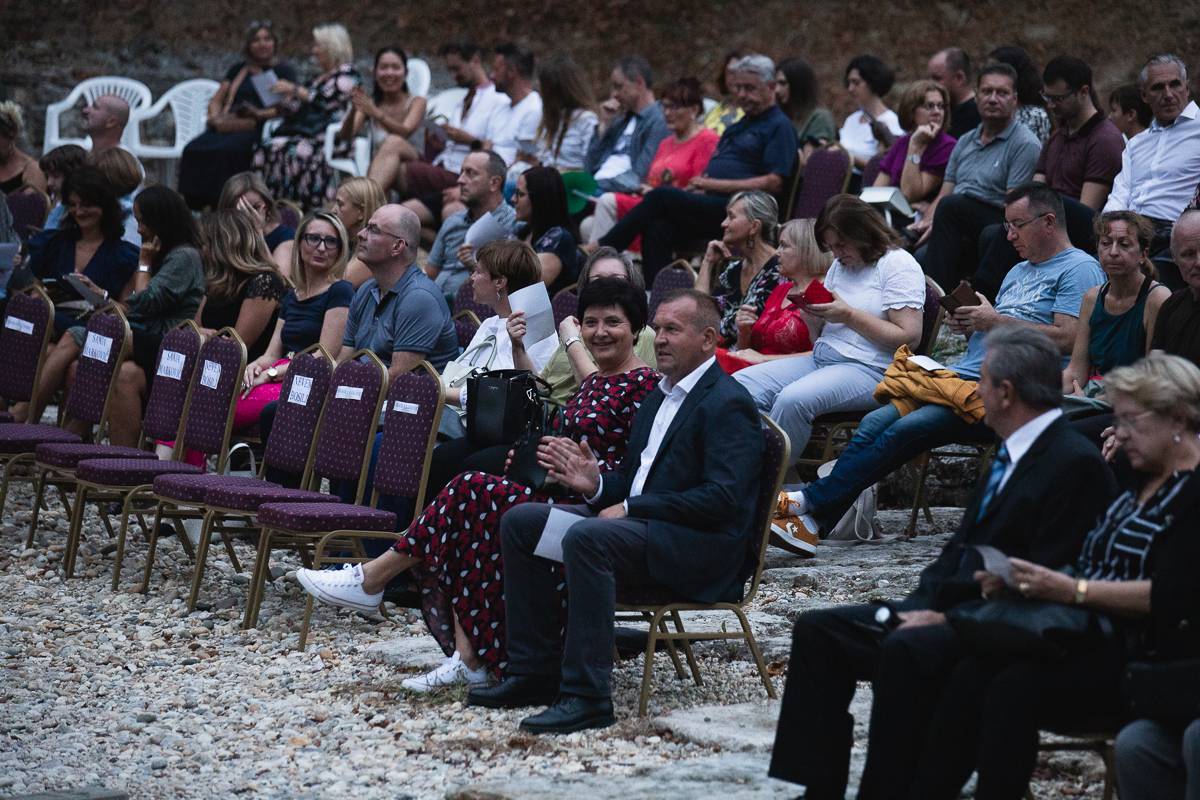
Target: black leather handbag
{"x":1008,"y":626}
{"x":1168,"y":690}
{"x":503,"y":404}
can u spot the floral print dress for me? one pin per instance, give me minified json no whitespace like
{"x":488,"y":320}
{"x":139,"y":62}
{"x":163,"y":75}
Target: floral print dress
{"x":457,"y":536}
{"x":727,"y":291}
{"x":292,"y":162}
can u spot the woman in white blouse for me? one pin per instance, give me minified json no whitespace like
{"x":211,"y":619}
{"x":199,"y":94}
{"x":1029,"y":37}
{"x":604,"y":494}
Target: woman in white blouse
{"x":873,"y":127}
{"x":878,"y":298}
{"x":568,"y":115}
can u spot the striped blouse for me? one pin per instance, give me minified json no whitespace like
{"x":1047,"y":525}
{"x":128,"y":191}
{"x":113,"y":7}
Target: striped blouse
{"x":1119,"y":548}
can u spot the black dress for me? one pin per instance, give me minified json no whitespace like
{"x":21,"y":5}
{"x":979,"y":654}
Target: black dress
{"x":223,"y":312}
{"x":211,"y":158}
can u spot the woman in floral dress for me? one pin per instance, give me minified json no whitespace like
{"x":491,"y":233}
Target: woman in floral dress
{"x":454,"y":545}
{"x":292,"y":161}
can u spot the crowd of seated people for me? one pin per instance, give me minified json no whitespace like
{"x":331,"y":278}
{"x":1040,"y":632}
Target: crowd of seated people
{"x":1068,"y":223}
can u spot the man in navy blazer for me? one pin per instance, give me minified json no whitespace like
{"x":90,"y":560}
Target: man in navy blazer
{"x":678,"y":514}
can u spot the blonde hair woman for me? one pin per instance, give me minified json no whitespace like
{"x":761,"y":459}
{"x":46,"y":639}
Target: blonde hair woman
{"x":243,"y":286}
{"x":292,"y":161}
{"x":247,"y":192}
{"x":354,"y":203}
{"x":779,"y":330}
{"x":17,"y":168}
{"x":313,"y":311}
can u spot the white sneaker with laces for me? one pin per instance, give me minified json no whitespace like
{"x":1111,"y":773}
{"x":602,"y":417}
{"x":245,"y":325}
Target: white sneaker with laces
{"x":452,"y":672}
{"x":340,"y":587}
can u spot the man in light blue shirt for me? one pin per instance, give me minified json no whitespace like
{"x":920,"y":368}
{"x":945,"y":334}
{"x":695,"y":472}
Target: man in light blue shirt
{"x":1043,"y":292}
{"x":621,"y":151}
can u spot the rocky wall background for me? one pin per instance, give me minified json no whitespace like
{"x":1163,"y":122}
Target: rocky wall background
{"x":47,"y":46}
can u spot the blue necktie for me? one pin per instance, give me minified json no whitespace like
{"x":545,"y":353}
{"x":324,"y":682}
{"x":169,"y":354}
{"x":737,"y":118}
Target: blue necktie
{"x":999,"y":465}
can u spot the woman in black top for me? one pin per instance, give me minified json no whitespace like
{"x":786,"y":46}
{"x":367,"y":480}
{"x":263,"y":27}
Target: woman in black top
{"x":235,"y":113}
{"x":1136,"y":567}
{"x":540,"y":201}
{"x":243,"y":286}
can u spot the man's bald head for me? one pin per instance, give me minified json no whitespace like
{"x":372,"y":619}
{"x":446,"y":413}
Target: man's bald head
{"x":403,"y":222}
{"x":390,"y":238}
{"x":1185,"y":248}
{"x":115,"y":107}
{"x":104,"y":119}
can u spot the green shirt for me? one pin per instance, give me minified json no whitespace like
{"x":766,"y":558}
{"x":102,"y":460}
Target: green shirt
{"x":562,"y":380}
{"x":173,"y":294}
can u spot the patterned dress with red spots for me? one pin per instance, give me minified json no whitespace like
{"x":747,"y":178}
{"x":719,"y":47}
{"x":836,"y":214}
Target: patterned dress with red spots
{"x":457,"y":536}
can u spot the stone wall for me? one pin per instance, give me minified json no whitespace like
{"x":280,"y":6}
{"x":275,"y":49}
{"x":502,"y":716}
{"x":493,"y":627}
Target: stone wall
{"x":47,"y":47}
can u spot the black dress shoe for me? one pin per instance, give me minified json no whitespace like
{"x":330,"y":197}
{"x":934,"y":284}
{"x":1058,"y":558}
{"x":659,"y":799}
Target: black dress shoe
{"x":515,"y":691}
{"x":572,"y":713}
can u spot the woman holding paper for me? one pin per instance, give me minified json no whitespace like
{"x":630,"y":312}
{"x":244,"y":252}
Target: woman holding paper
{"x":454,"y":544}
{"x":235,"y":113}
{"x":313,"y":311}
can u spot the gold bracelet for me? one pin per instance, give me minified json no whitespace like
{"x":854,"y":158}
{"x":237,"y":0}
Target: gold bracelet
{"x":1081,"y":587}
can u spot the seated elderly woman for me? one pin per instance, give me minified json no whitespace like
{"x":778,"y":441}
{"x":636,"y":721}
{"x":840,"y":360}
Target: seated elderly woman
{"x":780,"y":330}
{"x":1135,"y":572}
{"x":1116,"y":320}
{"x":313,"y":312}
{"x":916,"y":162}
{"x":292,"y":162}
{"x":166,"y":290}
{"x":354,"y":203}
{"x":247,"y":192}
{"x":680,"y":157}
{"x":235,"y":114}
{"x":18,"y":169}
{"x":392,"y":117}
{"x":741,"y":268}
{"x":463,"y":603}
{"x":878,"y":294}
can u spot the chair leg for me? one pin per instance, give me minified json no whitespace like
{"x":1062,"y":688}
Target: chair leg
{"x":672,"y":650}
{"x":124,"y":531}
{"x":258,"y":580}
{"x":74,"y":531}
{"x":648,"y":665}
{"x":308,"y":609}
{"x":1110,"y":772}
{"x":227,"y":540}
{"x":201,"y":560}
{"x":151,"y":547}
{"x":751,"y":643}
{"x":37,"y":507}
{"x":919,"y":496}
{"x":687,"y":649}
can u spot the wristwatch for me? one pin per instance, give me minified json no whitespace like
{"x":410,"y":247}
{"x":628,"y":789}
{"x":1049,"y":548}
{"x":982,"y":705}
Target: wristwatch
{"x":1081,"y":587}
{"x":272,"y":373}
{"x":570,"y":341}
{"x":915,"y":159}
{"x":143,"y":267}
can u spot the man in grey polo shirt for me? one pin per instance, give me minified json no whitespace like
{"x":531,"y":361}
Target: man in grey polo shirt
{"x":481,"y":187}
{"x":986,"y":163}
{"x":398,"y":314}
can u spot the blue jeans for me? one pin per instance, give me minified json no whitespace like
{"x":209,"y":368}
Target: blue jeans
{"x":884,"y":442}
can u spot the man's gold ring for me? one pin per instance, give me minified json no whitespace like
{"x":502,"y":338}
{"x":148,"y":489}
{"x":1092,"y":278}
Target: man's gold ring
{"x":1023,"y":587}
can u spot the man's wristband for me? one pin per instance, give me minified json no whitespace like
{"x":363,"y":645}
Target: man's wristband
{"x":1081,"y":587}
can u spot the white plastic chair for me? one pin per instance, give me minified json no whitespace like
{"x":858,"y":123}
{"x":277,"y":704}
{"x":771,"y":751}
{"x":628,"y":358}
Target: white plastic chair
{"x":189,"y":105}
{"x":444,"y":102}
{"x":136,"y":93}
{"x":360,"y":158}
{"x":419,"y":77}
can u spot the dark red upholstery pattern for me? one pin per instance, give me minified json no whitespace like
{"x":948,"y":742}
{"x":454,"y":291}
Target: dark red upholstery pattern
{"x":188,"y":488}
{"x":25,"y":321}
{"x":251,"y":497}
{"x":128,"y":471}
{"x":320,"y":517}
{"x":93,"y":377}
{"x":17,"y":437}
{"x":298,"y":412}
{"x":66,"y":456}
{"x":168,"y":394}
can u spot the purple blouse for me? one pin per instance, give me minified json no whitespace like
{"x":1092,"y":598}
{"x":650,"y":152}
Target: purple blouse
{"x":933,"y":160}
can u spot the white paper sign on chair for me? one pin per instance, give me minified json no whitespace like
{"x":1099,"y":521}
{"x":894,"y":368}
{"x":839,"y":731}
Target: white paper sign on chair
{"x":171,"y":365}
{"x":18,"y":324}
{"x":301,"y":387}
{"x":211,"y":375}
{"x":97,"y":346}
{"x":348,"y":393}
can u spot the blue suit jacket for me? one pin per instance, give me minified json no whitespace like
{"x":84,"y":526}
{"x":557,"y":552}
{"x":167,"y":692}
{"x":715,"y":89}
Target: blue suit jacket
{"x":700,"y":494}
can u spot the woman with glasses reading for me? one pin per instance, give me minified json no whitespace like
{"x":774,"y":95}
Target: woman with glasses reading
{"x":313,"y":311}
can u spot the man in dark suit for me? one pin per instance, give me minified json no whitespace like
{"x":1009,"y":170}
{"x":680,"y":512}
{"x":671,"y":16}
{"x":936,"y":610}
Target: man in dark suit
{"x":677,"y":514}
{"x":1043,"y":492}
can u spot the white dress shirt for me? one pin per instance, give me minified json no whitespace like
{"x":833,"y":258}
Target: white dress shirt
{"x":475,"y":122}
{"x":1019,"y":441}
{"x":675,"y":395}
{"x":1160,"y":168}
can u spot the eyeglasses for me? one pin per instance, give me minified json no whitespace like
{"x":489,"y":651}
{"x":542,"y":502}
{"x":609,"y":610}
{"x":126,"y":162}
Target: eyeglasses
{"x":315,"y":240}
{"x":1056,"y":98}
{"x":257,"y":24}
{"x":1128,"y":423}
{"x":934,"y":106}
{"x":1009,"y":227}
{"x":374,"y":230}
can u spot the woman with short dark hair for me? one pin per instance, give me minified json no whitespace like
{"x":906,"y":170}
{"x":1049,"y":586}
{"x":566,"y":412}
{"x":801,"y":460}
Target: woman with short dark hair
{"x":453,"y":546}
{"x":235,"y":113}
{"x":540,"y":201}
{"x":878,"y":299}
{"x":871,"y":129}
{"x":916,"y":162}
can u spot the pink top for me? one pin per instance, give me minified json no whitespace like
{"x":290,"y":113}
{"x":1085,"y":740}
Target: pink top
{"x":679,"y":161}
{"x":778,"y":331}
{"x":933,"y":160}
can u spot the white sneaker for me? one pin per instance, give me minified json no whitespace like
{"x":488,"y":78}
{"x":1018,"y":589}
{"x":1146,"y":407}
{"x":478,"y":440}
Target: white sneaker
{"x":341,"y":587}
{"x":797,"y":503}
{"x":452,"y":672}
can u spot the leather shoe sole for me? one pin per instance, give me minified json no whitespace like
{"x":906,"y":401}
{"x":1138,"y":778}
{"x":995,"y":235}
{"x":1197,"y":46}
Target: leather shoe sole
{"x":552,"y":720}
{"x":504,"y":696}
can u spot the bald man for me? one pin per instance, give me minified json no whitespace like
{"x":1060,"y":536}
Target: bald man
{"x":104,"y":120}
{"x":399,"y":313}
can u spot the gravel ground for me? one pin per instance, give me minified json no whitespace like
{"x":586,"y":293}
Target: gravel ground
{"x":130,"y":692}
